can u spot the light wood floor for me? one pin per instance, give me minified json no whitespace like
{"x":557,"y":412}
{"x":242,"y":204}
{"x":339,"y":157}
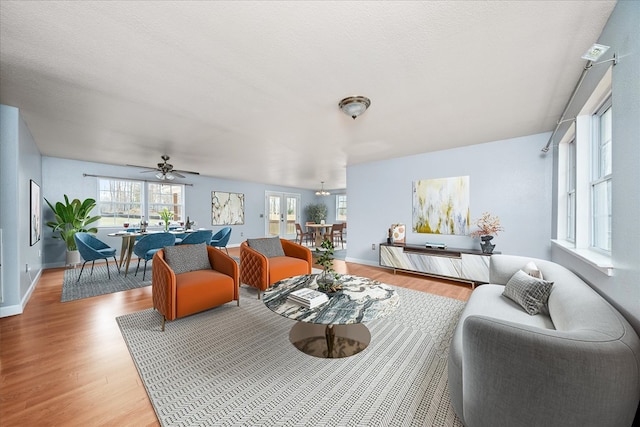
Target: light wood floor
{"x":66,"y":363}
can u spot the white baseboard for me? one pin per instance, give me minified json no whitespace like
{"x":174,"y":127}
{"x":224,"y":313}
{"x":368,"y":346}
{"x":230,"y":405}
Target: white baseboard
{"x":13,"y":310}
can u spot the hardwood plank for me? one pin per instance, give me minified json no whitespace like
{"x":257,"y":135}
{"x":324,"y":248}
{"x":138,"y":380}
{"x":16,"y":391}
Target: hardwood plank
{"x":67,"y":364}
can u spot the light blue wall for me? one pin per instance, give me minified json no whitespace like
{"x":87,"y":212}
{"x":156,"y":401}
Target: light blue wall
{"x":508,"y":178}
{"x":20,"y":162}
{"x":623,"y":288}
{"x":64,"y":176}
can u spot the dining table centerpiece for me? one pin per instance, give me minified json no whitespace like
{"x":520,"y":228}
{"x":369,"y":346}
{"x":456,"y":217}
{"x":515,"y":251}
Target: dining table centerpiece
{"x":166,"y":216}
{"x":327,"y":279}
{"x":488,"y":226}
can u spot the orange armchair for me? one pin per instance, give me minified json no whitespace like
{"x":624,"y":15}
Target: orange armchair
{"x":260,"y":272}
{"x":179,"y":295}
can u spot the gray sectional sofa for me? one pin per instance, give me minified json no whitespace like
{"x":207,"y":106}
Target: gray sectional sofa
{"x":578,"y":365}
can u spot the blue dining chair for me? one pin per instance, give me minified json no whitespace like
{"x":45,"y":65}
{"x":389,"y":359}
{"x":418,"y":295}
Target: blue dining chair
{"x":200,"y":236}
{"x":148,"y":245}
{"x":221,"y":239}
{"x":91,"y":249}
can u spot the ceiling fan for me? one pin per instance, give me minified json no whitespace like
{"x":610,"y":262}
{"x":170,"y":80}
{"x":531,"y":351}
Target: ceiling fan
{"x":165,"y":170}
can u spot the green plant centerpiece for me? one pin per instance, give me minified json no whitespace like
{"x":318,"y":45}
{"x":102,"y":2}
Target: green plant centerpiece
{"x":70,"y":218}
{"x":316,"y":212}
{"x":327,"y":279}
{"x":166,"y":216}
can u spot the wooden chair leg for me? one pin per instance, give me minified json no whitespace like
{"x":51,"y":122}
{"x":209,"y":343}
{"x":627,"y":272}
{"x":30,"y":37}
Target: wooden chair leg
{"x":163,"y":321}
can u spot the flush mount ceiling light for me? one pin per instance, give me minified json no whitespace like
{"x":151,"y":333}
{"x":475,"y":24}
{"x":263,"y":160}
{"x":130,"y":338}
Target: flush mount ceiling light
{"x":322,"y":191}
{"x":354,"y":105}
{"x":595,"y":52}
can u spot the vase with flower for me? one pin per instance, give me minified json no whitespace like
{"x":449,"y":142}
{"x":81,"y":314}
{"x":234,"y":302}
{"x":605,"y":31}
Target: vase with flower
{"x":488,"y":226}
{"x":166,"y":217}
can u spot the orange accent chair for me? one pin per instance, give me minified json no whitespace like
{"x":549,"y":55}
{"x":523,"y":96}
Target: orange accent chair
{"x":179,"y":295}
{"x":260,"y":271}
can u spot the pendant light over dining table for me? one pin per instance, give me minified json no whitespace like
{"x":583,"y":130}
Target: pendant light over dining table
{"x":354,"y":105}
{"x":322,"y":191}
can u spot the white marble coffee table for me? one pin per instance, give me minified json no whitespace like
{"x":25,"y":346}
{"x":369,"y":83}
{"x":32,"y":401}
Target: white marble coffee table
{"x":334,"y":329}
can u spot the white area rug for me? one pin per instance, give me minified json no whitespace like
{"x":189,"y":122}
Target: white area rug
{"x":235,"y":366}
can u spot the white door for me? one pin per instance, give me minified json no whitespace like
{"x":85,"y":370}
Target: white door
{"x":283,"y":211}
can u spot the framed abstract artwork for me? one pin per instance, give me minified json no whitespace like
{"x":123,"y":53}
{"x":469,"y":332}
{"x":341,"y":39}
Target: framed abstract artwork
{"x":227,"y":208}
{"x":35,"y":213}
{"x":441,"y":206}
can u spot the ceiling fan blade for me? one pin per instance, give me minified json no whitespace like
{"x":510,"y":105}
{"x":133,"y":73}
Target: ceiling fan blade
{"x":175,"y":173}
{"x":191,"y":172}
{"x":151,"y":170}
{"x":142,"y":167}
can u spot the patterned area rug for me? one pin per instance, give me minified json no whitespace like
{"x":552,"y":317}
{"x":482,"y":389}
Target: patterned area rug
{"x":99,"y":283}
{"x":235,"y":366}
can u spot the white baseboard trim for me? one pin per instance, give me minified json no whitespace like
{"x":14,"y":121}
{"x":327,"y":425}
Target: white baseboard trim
{"x":13,"y":310}
{"x":362,"y":261}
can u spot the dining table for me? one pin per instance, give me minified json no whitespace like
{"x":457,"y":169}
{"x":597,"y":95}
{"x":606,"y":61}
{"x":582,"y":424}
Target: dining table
{"x":319,"y":230}
{"x":129,"y":241}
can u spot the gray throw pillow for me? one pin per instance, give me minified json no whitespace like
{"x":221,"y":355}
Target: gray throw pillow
{"x":186,"y":258}
{"x":269,"y":246}
{"x":529,"y":292}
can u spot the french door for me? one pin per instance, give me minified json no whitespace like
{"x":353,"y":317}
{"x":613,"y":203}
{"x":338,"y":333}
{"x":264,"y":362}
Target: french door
{"x":283,"y":211}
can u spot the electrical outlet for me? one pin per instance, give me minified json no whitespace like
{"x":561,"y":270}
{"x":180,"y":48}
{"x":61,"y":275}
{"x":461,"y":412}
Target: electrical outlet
{"x":242,"y":234}
{"x":27,"y":269}
{"x":373,"y":246}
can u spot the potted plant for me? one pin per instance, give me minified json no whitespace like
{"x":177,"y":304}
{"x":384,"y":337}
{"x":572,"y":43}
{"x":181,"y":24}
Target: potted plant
{"x":70,"y":218}
{"x":166,"y":217}
{"x":316,"y":212}
{"x":327,"y":279}
{"x":488,"y":226}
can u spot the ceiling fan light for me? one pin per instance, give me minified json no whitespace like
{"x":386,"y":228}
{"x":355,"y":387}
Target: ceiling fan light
{"x":170,"y":176}
{"x":159,"y":175}
{"x":354,"y":105}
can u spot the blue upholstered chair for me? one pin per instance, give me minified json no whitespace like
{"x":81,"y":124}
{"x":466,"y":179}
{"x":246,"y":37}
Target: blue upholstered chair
{"x":91,"y":249}
{"x":221,"y":239}
{"x":148,"y":245}
{"x":200,"y":236}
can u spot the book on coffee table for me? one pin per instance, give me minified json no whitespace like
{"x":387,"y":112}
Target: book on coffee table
{"x":310,"y":298}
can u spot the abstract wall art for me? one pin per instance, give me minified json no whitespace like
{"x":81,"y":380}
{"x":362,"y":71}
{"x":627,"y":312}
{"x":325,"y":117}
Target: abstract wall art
{"x":227,"y":208}
{"x":36,"y":214}
{"x":441,"y":206}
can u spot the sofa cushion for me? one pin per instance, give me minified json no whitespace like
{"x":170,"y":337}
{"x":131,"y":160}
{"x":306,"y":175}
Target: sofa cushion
{"x":269,"y":246}
{"x":530,"y":292}
{"x":532,"y":270}
{"x":186,"y":258}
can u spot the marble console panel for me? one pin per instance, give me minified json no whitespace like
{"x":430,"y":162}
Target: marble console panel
{"x":466,"y":265}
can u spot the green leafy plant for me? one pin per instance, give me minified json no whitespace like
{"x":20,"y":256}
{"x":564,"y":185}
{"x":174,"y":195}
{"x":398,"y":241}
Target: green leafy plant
{"x":166,"y":216}
{"x":316,"y":212}
{"x":70,"y":218}
{"x":326,"y":281}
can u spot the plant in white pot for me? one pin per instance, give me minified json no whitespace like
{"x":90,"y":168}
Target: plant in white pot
{"x":70,"y":218}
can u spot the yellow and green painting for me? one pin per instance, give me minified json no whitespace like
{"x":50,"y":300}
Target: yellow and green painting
{"x":441,"y":206}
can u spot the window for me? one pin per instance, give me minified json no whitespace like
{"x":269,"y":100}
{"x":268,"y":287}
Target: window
{"x":341,"y":207}
{"x":121,"y":200}
{"x":571,"y":191}
{"x":168,"y":196}
{"x":601,"y":179}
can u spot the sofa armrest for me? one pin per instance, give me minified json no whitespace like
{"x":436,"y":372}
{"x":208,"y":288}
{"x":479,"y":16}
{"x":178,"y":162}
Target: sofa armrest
{"x":163,"y":286}
{"x":578,"y":378}
{"x":297,"y":251}
{"x":226,"y":265}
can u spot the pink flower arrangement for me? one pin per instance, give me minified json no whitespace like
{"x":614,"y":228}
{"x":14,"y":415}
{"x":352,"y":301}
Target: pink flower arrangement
{"x":488,"y":225}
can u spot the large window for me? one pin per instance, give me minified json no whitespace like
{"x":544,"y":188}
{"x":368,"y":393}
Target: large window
{"x":341,"y":207}
{"x":128,"y":201}
{"x":601,"y":179}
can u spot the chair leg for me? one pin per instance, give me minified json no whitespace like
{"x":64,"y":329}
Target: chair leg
{"x":226,"y":250}
{"x":92,"y":264}
{"x":144,"y":272}
{"x":81,"y":270}
{"x":137,"y":267}
{"x":116,"y":261}
{"x":108,"y":272}
{"x":163,"y":321}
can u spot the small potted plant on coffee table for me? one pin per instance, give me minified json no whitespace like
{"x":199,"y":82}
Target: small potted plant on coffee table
{"x":327,"y":279}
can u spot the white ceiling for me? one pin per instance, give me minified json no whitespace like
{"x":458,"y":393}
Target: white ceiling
{"x":249,"y":90}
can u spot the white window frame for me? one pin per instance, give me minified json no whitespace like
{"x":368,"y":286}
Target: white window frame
{"x":341,"y":205}
{"x":581,"y":131}
{"x":601,"y":174}
{"x":144,"y":205}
